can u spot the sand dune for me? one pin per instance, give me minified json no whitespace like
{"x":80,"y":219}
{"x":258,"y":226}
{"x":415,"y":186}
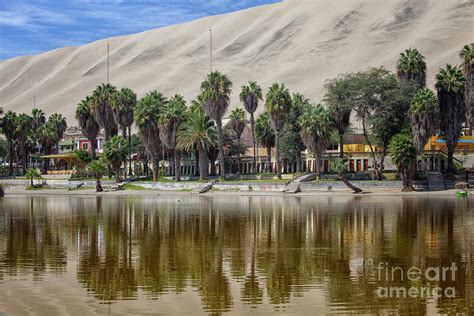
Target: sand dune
{"x":299,"y":42}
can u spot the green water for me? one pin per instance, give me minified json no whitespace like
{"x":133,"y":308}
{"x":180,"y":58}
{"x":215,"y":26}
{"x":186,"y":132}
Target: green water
{"x":198,"y":255}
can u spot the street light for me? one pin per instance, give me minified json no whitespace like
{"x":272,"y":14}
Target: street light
{"x":210,"y":49}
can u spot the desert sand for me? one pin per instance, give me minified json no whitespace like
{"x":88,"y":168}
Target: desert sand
{"x":299,"y":42}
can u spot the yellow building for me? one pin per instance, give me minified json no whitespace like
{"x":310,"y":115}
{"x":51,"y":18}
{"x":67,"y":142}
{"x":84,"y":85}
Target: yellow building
{"x":466,"y":143}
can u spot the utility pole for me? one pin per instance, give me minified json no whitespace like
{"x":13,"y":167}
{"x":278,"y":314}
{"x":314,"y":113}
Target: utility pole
{"x":108,"y":65}
{"x":210,"y":49}
{"x":34,"y":101}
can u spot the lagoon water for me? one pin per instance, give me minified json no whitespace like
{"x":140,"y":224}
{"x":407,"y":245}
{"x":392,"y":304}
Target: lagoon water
{"x":199,"y":255}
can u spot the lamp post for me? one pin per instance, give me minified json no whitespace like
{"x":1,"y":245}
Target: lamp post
{"x":210,"y":49}
{"x":108,"y":65}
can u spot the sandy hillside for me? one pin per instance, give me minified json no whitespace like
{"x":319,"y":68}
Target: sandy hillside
{"x":299,"y":42}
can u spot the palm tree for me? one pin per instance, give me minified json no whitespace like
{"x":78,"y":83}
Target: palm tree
{"x":59,"y":125}
{"x":197,"y":131}
{"x":237,"y":123}
{"x":249,"y":96}
{"x":89,"y":126}
{"x":115,"y":152}
{"x":146,"y":116}
{"x":424,"y":115}
{"x":339,"y":165}
{"x":277,"y":104}
{"x":98,"y":168}
{"x":412,"y":66}
{"x":403,"y":155}
{"x":338,"y":100}
{"x":123,"y":105}
{"x":9,"y":128}
{"x":316,"y":128}
{"x":215,"y":91}
{"x":265,"y":136}
{"x":173,"y":114}
{"x":450,"y":89}
{"x":32,"y":174}
{"x":46,"y":138}
{"x":101,"y":108}
{"x":38,"y":117}
{"x":467,"y":63}
{"x":24,"y":131}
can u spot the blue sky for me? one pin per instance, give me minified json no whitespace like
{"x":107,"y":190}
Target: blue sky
{"x":30,"y":27}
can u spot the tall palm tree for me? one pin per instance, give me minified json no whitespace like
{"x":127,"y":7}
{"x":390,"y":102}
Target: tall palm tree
{"x":123,"y":105}
{"x":9,"y":128}
{"x":424,"y":115}
{"x":39,"y":118}
{"x":101,"y":108}
{"x":59,"y":125}
{"x":197,"y":131}
{"x":412,"y":66}
{"x":277,"y":104}
{"x":467,"y":64}
{"x":215,"y":91}
{"x":450,"y":88}
{"x":237,"y":123}
{"x":89,"y":126}
{"x":146,"y":116}
{"x":24,"y":131}
{"x":173,"y":114}
{"x":115,"y":152}
{"x":249,"y":96}
{"x":47,"y":139}
{"x":316,"y":128}
{"x":265,"y":136}
{"x":338,"y":100}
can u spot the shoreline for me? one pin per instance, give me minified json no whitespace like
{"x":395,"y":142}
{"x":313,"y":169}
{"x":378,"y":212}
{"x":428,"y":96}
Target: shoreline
{"x":151,"y":192}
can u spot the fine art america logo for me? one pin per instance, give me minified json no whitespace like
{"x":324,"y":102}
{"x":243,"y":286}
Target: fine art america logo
{"x":392,"y":276}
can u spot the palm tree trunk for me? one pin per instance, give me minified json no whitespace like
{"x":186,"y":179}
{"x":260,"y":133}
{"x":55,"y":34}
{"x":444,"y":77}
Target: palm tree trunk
{"x":24,"y":157}
{"x":341,"y":145}
{"x":406,"y":174}
{"x":93,"y":147}
{"x":130,"y":171}
{"x":47,"y":151}
{"x":196,"y":161}
{"x":11,"y":149}
{"x":252,"y":126}
{"x":117,"y":172}
{"x":172,"y":162}
{"x":203,"y":163}
{"x":107,"y":137}
{"x":269,"y":159}
{"x":343,"y":178}
{"x":177,"y":162}
{"x":278,"y":162}
{"x":221,"y":149}
{"x":318,"y":165}
{"x":98,"y":186}
{"x":450,"y":163}
{"x":155,"y":161}
{"x":239,"y":161}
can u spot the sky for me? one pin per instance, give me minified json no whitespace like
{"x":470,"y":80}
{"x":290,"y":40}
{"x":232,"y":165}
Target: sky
{"x":31,"y":27}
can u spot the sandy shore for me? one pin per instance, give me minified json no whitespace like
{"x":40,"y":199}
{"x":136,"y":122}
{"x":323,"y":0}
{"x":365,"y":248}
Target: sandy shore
{"x":88,"y":192}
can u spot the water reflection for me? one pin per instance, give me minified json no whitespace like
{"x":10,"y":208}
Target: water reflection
{"x":245,"y":251}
